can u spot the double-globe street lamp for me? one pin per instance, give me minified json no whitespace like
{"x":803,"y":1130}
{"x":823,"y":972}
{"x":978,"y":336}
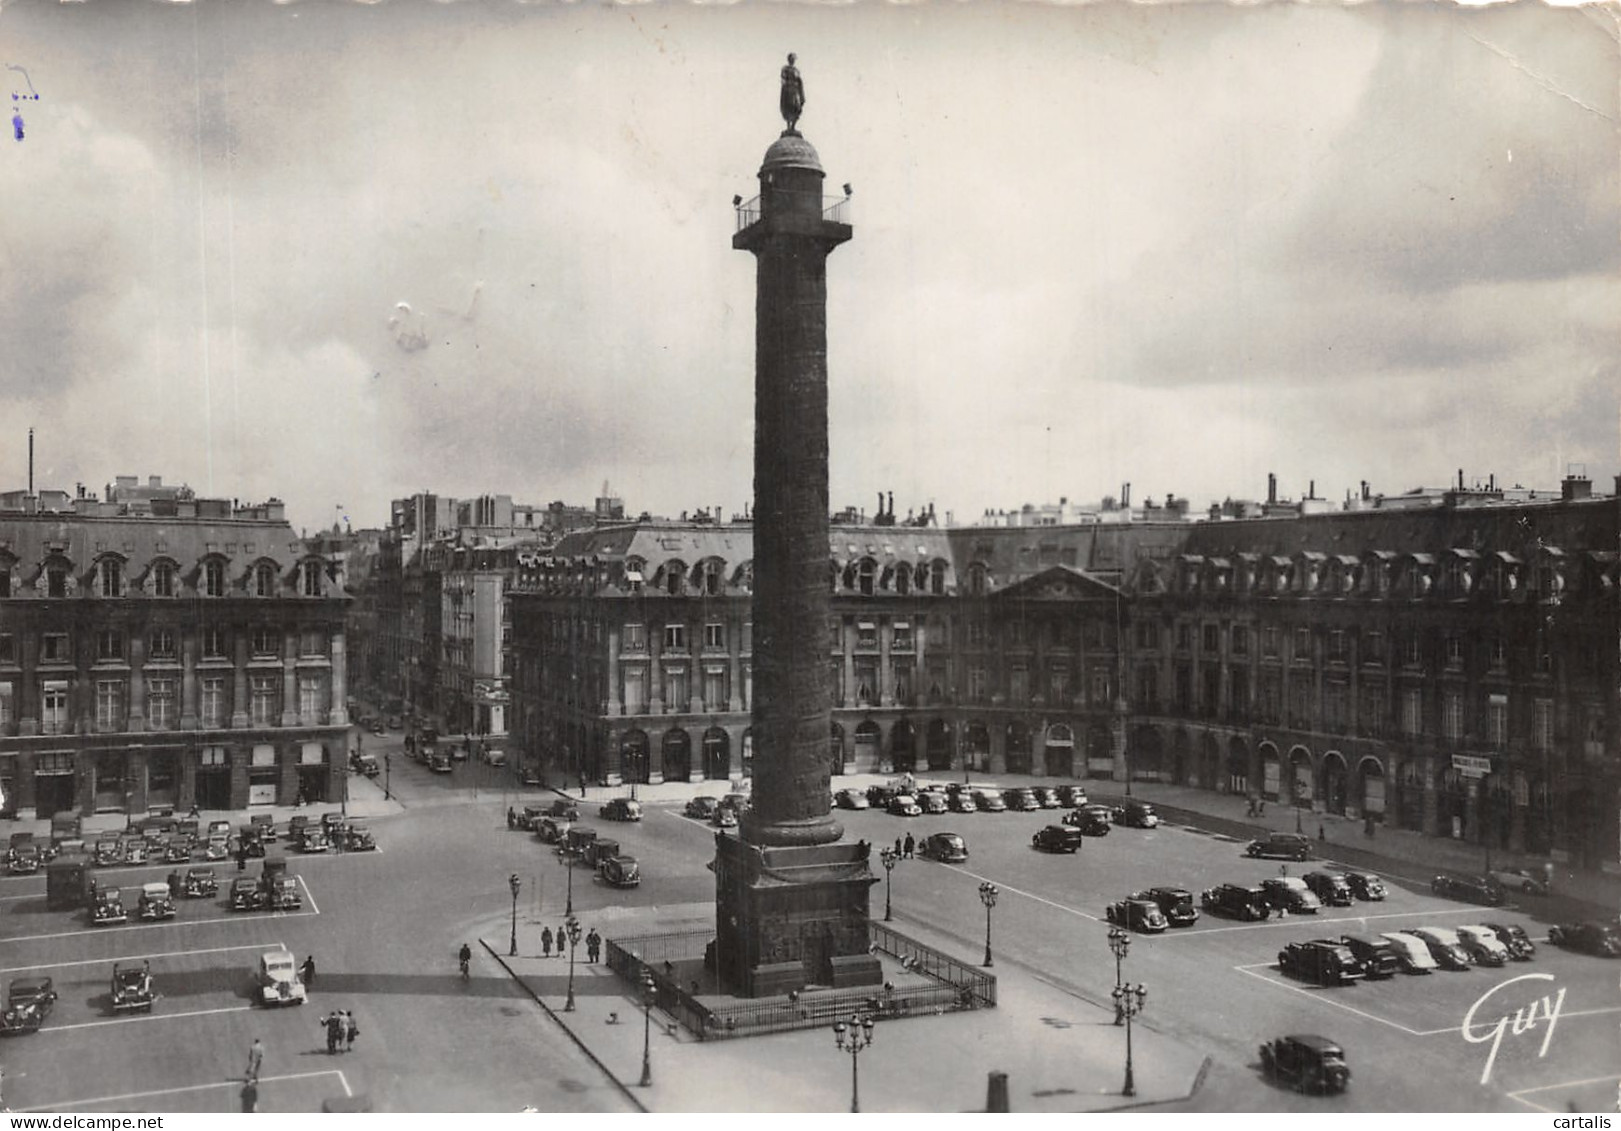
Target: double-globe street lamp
{"x":852,"y":1036}
{"x":987,"y":895}
{"x":650,"y":991}
{"x":1129,"y":1001}
{"x":565,"y":854}
{"x":516,"y":885}
{"x":572,"y":926}
{"x":888,"y":857}
{"x":1120,"y":944}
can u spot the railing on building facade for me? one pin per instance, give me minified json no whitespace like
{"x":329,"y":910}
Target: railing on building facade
{"x":955,"y":986}
{"x":834,"y":208}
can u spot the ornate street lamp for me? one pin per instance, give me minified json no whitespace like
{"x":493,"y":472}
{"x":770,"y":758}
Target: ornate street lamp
{"x":572,"y":926}
{"x":567,"y":857}
{"x":516,"y":885}
{"x":1129,"y":1001}
{"x":888,"y":857}
{"x":649,"y":995}
{"x":388,"y":773}
{"x":853,"y":1036}
{"x":987,"y":895}
{"x":1120,"y":943}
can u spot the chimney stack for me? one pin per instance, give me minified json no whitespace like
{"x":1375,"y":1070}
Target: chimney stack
{"x":1271,"y":487}
{"x":30,"y":461}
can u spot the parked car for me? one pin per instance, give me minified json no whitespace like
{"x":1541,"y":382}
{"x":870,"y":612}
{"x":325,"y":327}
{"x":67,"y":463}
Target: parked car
{"x":1306,"y":1063}
{"x":933,"y":802}
{"x":134,"y":850}
{"x":1047,"y":797}
{"x":1520,"y":880}
{"x":25,"y":859}
{"x":367,"y":765}
{"x":1236,"y":901}
{"x":1072,"y":796}
{"x":358,"y":838}
{"x":948,"y":848}
{"x":1378,"y":957}
{"x":1600,"y":939}
{"x":704,"y":805}
{"x":1330,"y":887}
{"x":620,"y":809}
{"x":439,"y":763}
{"x":904,"y":805}
{"x":108,"y":909}
{"x":989,"y":800}
{"x":1482,"y":945}
{"x":878,"y":795}
{"x":1324,"y":961}
{"x":1413,"y":951}
{"x":1444,"y":947}
{"x":280,"y":893}
{"x":109,"y":853}
{"x":177,"y":850}
{"x":156,"y":902}
{"x":266,"y":826}
{"x":223,"y":828}
{"x":28,"y":1004}
{"x":1057,"y":838}
{"x":1020,"y":800}
{"x":1280,"y":846}
{"x":563,"y":810}
{"x":1136,"y":815}
{"x":1290,"y":894}
{"x":1177,"y":903}
{"x":248,"y":840}
{"x":1365,"y":885}
{"x":621,"y":871}
{"x":276,"y":982}
{"x":844,"y":799}
{"x":246,"y":896}
{"x":1137,"y":915}
{"x":1092,"y":820}
{"x":1513,"y":936}
{"x":132,"y":987}
{"x":217,"y":848}
{"x":1470,"y":889}
{"x":962,"y":802}
{"x":201,"y":883}
{"x":724,"y":817}
{"x":494,"y":756}
{"x":314,"y":839}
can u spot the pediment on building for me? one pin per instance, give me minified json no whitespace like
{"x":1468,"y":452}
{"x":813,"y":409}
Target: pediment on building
{"x":1058,"y":583}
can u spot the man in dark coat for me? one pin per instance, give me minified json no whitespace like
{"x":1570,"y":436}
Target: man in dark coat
{"x":546,"y":942}
{"x":911,"y":847}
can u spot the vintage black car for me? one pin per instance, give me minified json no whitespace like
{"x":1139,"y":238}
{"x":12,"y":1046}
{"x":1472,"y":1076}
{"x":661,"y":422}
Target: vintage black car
{"x":1020,"y":800}
{"x":948,"y":848}
{"x":1057,"y":838}
{"x":313,"y":838}
{"x":724,"y":817}
{"x":563,"y":810}
{"x":1137,"y":915}
{"x":1470,"y":889}
{"x":621,"y":871}
{"x":1288,"y":893}
{"x":1048,"y":797}
{"x":903,"y":805}
{"x":1280,"y":846}
{"x":1378,"y":958}
{"x":1600,"y":939}
{"x":962,"y":802}
{"x":1330,"y":887}
{"x":528,"y":817}
{"x":620,"y":809}
{"x":1092,"y":820}
{"x":989,"y":801}
{"x":1236,"y":901}
{"x":177,"y":850}
{"x":1324,"y":961}
{"x":878,"y":795}
{"x":132,"y":987}
{"x":108,"y":909}
{"x":1177,"y":903}
{"x":1513,"y":936}
{"x":25,"y":859}
{"x":201,"y":883}
{"x":1520,"y":880}
{"x":249,"y":843}
{"x":109,"y":852}
{"x":1072,"y":796}
{"x":1307,"y":1063}
{"x":1136,"y":815}
{"x":28,"y":1003}
{"x":246,"y":896}
{"x":358,"y":838}
{"x":1366,"y":885}
{"x":266,"y":824}
{"x":156,"y":902}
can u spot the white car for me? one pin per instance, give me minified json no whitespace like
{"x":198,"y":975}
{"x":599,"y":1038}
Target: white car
{"x":278,"y":979}
{"x":1414,"y":954}
{"x":1483,"y":945}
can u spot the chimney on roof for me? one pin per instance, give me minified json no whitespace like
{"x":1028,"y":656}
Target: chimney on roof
{"x":1460,"y":479}
{"x":1271,"y":487}
{"x":30,"y":461}
{"x":880,"y":513}
{"x":1311,"y":490}
{"x":1364,"y":488}
{"x":1125,"y":495}
{"x":892,"y":506}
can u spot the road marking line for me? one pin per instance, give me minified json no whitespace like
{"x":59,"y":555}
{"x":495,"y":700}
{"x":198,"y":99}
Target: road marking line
{"x":144,"y":1018}
{"x":308,"y":895}
{"x":192,"y":1088}
{"x":1252,"y":967}
{"x":30,"y":895}
{"x":1026,"y":894}
{"x":137,"y":957}
{"x":1314,"y":920}
{"x":1523,"y":1092}
{"x":169,"y":925}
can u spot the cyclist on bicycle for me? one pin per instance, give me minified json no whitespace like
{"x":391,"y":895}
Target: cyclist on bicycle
{"x":466,"y":956}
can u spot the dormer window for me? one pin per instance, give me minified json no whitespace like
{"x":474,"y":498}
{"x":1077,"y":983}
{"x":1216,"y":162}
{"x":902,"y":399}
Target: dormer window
{"x":163,"y":579}
{"x":110,"y":578}
{"x":264,"y":580}
{"x":214,"y":578}
{"x":867,"y":577}
{"x":56,"y":582}
{"x":312,"y":579}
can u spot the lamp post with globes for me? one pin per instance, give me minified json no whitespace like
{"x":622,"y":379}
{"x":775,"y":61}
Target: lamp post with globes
{"x":516,"y":885}
{"x":1129,"y":1001}
{"x":565,"y":855}
{"x":1120,"y":944}
{"x":888,"y":857}
{"x":853,"y":1036}
{"x":649,"y":995}
{"x":571,"y":926}
{"x":987,"y":895}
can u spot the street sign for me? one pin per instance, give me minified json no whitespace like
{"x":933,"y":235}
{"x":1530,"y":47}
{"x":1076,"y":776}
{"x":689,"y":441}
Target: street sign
{"x":1471,"y":765}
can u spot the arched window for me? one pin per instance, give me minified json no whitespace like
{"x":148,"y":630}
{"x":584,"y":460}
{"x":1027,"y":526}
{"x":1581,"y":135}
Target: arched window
{"x":110,"y":578}
{"x":214,"y":578}
{"x":903,"y":579}
{"x":163,"y":579}
{"x":312,"y":579}
{"x":978,"y":581}
{"x":867,"y":577}
{"x":264,"y":580}
{"x":937,"y":578}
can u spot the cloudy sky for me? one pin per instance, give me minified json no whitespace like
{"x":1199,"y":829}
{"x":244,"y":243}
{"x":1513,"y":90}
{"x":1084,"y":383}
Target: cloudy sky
{"x":340,"y":253}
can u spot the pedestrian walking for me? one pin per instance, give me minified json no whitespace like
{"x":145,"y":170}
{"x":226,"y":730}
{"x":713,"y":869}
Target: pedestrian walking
{"x":1321,"y":836}
{"x":562,"y":937}
{"x":334,"y":1031}
{"x":241,"y":857}
{"x":593,"y":945}
{"x":256,"y":1059}
{"x":250,"y":1096}
{"x":306,"y":973}
{"x":192,"y":812}
{"x":545,"y":942}
{"x":350,"y":1031}
{"x":512,"y":818}
{"x":911,"y":847}
{"x":897,"y":848}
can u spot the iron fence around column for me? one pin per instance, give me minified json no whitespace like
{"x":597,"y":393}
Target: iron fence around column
{"x":953,"y":985}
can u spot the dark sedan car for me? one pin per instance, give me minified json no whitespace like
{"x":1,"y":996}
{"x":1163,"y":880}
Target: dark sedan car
{"x":1072,"y":796}
{"x":1177,"y":903}
{"x":1237,"y":901}
{"x":1366,"y":885}
{"x":1289,"y":893}
{"x":851,"y":799}
{"x":1600,"y":939}
{"x":1137,"y":915}
{"x":28,"y":1003}
{"x":1092,"y":820}
{"x":1056,"y":838}
{"x":1021,"y":800}
{"x":989,"y":801}
{"x":704,"y":805}
{"x":1470,"y":889}
{"x":1331,"y":887}
{"x":948,"y":848}
{"x":1513,"y":936}
{"x":1307,"y":1063}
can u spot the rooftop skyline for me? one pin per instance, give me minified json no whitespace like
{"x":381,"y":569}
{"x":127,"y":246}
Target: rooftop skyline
{"x":340,"y":254}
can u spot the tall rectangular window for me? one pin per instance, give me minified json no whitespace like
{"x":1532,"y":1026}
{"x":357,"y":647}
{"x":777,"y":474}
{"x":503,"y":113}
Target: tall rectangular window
{"x":216,"y":701}
{"x":214,"y":578}
{"x":1454,"y":651}
{"x":160,"y":713}
{"x":1269,"y":640}
{"x":213,"y":643}
{"x":1542,"y":725}
{"x":1241,"y":640}
{"x":635,"y":691}
{"x":1302,"y":650}
{"x":675,"y":638}
{"x":8,"y":648}
{"x":109,"y":704}
{"x":264,"y":700}
{"x":902,"y":637}
{"x":311,"y":697}
{"x":266,"y":642}
{"x":1452,"y":714}
{"x":1212,"y":638}
{"x":976,"y":685}
{"x":1336,"y":706}
{"x":715,"y":637}
{"x":163,"y":579}
{"x":1497,"y":721}
{"x":1102,"y":689}
{"x":109,"y":644}
{"x":1412,"y":711}
{"x":8,"y":714}
{"x":635,"y":638}
{"x":677,"y":690}
{"x":53,"y":712}
{"x":1373,"y":648}
{"x":1370,"y":711}
{"x":162,"y":644}
{"x":714,"y":688}
{"x":312,"y":642}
